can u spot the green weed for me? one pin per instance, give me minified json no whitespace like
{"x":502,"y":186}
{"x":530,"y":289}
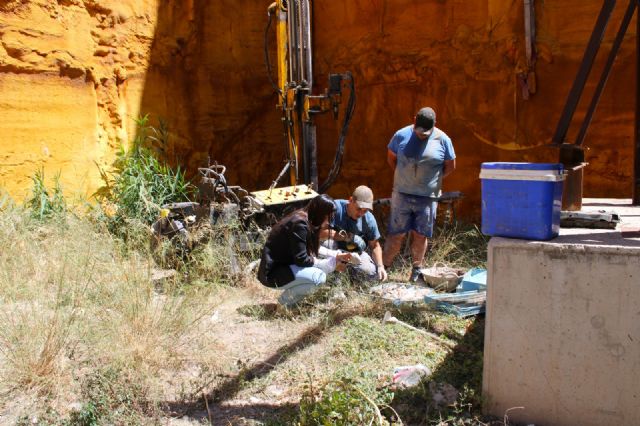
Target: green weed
{"x":45,"y":203}
{"x":140,"y":183}
{"x":341,"y":403}
{"x":461,"y":368}
{"x":111,"y":397}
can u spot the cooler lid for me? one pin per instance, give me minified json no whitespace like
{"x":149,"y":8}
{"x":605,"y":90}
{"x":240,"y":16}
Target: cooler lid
{"x":523,"y":166}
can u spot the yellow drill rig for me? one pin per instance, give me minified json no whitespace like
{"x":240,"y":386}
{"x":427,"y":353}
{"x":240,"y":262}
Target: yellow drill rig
{"x":294,"y":87}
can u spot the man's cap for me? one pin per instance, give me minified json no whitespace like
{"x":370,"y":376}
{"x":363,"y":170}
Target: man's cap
{"x":363,"y":197}
{"x":425,"y":121}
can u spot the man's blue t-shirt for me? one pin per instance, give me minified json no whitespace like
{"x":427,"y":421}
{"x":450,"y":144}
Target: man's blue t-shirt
{"x":420,"y":163}
{"x":365,"y":227}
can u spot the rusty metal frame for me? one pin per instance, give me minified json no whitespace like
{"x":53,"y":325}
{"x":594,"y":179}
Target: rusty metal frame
{"x":572,"y":155}
{"x":607,"y":70}
{"x":636,"y":161}
{"x":583,"y":72}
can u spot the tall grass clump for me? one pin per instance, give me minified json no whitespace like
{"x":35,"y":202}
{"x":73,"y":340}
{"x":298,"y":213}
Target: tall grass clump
{"x":141,"y":180}
{"x":462,"y":245}
{"x":343,"y":403}
{"x":6,"y":202}
{"x":227,"y":253}
{"x":81,"y":323}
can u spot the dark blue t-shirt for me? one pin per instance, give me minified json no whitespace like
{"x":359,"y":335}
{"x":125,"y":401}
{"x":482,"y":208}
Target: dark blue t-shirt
{"x":365,"y":227}
{"x":420,"y":163}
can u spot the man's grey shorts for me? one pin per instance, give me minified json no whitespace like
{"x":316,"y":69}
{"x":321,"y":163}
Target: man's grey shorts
{"x":412,"y":212}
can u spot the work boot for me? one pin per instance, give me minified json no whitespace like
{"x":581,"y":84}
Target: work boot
{"x":416,"y":275}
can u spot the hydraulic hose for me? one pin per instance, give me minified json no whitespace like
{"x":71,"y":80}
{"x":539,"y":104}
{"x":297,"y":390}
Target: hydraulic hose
{"x":337,"y":161}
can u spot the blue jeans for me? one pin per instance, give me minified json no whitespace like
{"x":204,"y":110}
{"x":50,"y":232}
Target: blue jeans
{"x":305,"y":282}
{"x":412,"y":212}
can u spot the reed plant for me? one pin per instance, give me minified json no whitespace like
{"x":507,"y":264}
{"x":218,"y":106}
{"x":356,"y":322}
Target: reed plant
{"x":46,"y":203}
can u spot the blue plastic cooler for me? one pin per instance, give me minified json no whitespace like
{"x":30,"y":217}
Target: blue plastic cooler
{"x":521,"y":200}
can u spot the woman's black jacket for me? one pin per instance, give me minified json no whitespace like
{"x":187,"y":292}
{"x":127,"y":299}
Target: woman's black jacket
{"x":286,"y":245}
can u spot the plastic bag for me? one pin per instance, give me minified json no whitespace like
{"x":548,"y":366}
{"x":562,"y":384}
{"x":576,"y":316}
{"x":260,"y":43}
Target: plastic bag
{"x":410,"y":375}
{"x":327,"y":265}
{"x":355,"y":259}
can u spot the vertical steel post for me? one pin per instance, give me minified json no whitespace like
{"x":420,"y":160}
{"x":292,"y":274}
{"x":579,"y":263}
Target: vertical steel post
{"x":529,"y":29}
{"x":571,"y":155}
{"x":308,"y":128}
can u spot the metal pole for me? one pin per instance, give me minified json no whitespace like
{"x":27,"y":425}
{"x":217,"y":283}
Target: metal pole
{"x":305,"y":43}
{"x":606,"y":71}
{"x":583,"y":72}
{"x":309,"y":136}
{"x":636,"y":162}
{"x":294,"y":67}
{"x":529,"y":29}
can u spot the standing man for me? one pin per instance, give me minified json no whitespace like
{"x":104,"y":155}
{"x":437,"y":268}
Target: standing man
{"x":421,"y":155}
{"x":354,"y":228}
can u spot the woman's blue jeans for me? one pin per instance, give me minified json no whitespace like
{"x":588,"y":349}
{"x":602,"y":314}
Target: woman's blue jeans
{"x":306,"y":281}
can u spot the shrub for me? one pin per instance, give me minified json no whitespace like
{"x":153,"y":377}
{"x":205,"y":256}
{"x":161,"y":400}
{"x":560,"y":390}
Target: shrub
{"x":140,"y":182}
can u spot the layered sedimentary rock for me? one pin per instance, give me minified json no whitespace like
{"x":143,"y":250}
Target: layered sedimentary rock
{"x":66,"y":68}
{"x":74,"y":74}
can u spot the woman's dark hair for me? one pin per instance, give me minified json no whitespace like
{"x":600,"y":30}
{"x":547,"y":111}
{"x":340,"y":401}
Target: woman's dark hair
{"x":318,"y":209}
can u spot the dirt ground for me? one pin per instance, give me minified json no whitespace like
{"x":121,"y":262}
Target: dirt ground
{"x":90,"y":337}
{"x":255,"y":338}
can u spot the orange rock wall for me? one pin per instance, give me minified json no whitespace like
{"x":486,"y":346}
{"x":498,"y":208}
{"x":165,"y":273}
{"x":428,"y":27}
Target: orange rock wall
{"x":74,"y":72}
{"x":67,"y":69}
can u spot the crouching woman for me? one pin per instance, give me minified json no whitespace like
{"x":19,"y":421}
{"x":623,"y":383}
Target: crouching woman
{"x":290,"y":260}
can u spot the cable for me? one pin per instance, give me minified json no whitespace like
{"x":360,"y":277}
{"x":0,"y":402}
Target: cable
{"x":337,"y":161}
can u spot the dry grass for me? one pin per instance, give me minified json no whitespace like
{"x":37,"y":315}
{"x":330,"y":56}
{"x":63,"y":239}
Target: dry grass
{"x":71,"y":304}
{"x":87,"y":338}
{"x":460,"y":245}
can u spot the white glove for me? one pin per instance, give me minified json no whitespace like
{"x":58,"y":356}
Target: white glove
{"x":382,"y":273}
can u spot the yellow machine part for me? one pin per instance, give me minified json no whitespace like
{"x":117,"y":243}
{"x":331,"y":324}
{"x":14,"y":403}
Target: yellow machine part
{"x":284,"y":195}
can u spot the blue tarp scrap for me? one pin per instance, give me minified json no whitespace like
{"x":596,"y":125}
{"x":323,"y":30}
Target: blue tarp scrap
{"x":469,"y":299}
{"x":474,"y":279}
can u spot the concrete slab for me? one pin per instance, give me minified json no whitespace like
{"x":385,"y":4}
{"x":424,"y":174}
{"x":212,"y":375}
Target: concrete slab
{"x":562,"y":332}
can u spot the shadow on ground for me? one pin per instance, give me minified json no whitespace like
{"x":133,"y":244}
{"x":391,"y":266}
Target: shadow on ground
{"x":227,"y":389}
{"x":461,"y":368}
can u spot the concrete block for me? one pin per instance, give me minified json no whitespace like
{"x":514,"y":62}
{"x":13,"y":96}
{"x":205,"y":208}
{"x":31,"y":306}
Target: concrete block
{"x":562,"y":332}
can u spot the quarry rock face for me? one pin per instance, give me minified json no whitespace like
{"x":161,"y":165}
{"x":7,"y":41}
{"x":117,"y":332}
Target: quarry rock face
{"x":74,"y":74}
{"x":70,"y":75}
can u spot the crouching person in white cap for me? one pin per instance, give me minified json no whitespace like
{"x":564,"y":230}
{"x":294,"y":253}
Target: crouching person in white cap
{"x":354,"y":229}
